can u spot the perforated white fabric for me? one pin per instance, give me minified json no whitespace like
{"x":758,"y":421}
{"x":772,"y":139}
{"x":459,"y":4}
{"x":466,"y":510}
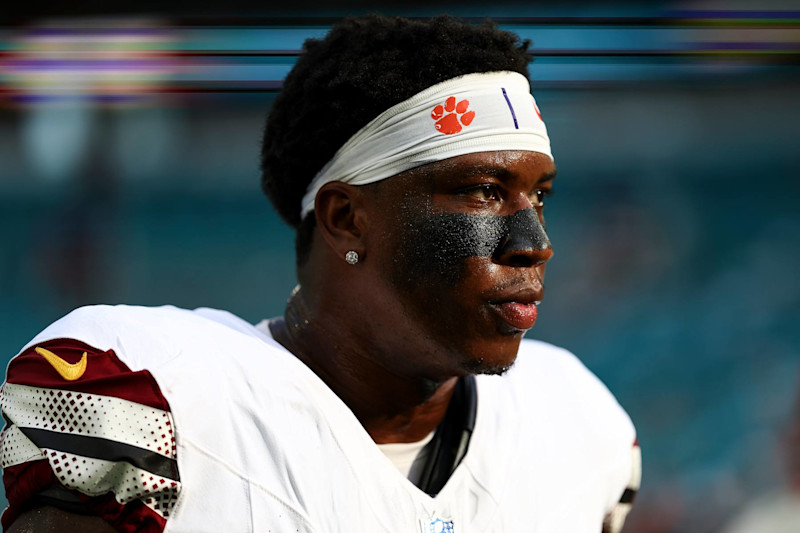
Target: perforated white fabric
{"x":97,"y":476}
{"x":92,"y":415}
{"x":16,"y":448}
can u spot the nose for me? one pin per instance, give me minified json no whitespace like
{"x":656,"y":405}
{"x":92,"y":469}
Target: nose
{"x":525,"y":243}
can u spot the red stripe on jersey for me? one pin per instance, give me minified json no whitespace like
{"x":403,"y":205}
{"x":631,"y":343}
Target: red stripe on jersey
{"x":105,"y":373}
{"x":25,"y":480}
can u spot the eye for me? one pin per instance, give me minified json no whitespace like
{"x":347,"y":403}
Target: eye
{"x":538,"y":196}
{"x":484,"y":192}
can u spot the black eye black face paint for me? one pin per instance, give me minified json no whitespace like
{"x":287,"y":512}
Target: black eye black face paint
{"x":439,"y":244}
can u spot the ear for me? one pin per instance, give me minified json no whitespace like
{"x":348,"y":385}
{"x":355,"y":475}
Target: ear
{"x":341,"y":219}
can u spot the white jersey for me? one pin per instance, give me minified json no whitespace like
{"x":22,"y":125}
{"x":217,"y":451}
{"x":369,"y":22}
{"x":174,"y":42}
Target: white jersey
{"x":197,"y":421}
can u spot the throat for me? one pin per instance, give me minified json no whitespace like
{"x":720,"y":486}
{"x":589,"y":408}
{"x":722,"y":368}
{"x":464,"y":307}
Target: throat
{"x":424,"y":426}
{"x":403,"y":413}
{"x":430,"y":462}
{"x":391,"y":406}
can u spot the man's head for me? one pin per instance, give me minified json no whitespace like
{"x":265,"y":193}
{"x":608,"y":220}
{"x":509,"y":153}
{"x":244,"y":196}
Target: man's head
{"x":361,"y":68}
{"x":445,"y":213}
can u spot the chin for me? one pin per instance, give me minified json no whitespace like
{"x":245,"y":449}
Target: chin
{"x":482,"y":367}
{"x":502,"y":359}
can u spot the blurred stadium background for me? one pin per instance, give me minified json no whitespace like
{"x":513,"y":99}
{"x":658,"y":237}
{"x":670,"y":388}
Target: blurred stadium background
{"x":129,"y":141}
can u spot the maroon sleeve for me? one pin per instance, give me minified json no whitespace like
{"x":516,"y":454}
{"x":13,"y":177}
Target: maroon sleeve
{"x":80,"y":421}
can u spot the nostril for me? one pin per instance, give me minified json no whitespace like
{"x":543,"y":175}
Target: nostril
{"x":520,"y":261}
{"x":516,"y":251}
{"x":520,"y":254}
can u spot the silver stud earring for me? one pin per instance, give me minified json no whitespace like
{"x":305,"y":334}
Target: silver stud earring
{"x":351,"y":257}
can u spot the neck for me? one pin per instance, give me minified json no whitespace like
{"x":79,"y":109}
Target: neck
{"x":392,"y":405}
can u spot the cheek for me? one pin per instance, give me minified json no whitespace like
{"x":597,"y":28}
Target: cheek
{"x":437,"y":247}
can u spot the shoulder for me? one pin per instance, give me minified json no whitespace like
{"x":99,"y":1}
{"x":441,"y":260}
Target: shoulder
{"x":88,"y":409}
{"x":143,"y":336}
{"x":584,"y":419}
{"x":561,"y":376}
{"x":574,"y":396}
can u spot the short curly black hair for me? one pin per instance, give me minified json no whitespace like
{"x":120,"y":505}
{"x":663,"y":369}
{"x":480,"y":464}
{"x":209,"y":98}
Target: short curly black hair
{"x":362,"y":67}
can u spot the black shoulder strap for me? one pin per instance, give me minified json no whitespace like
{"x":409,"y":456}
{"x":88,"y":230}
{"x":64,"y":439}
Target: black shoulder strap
{"x":451,"y":440}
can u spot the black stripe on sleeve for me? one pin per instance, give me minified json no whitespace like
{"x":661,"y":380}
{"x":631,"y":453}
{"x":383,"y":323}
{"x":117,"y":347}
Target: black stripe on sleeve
{"x":108,"y":450}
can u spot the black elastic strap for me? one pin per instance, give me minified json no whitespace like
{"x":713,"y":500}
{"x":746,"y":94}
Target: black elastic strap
{"x":451,"y":440}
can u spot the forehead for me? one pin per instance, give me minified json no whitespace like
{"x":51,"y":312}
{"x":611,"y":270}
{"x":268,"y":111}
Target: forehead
{"x":503,"y":162}
{"x":514,"y":167}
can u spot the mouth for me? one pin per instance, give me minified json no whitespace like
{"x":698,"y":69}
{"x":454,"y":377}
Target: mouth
{"x":518,"y":309}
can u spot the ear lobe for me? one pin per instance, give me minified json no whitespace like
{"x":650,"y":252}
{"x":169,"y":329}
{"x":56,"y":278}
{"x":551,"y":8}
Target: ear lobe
{"x":340,"y":217}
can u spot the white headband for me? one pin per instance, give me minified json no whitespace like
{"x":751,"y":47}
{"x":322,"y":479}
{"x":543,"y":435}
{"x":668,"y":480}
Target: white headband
{"x":473,"y":113}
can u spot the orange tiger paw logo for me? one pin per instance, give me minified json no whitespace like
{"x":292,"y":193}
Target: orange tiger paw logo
{"x":451,"y":116}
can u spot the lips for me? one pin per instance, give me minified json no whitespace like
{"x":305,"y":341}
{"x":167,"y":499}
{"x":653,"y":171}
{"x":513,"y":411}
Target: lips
{"x":518,"y":315}
{"x":518,"y":308}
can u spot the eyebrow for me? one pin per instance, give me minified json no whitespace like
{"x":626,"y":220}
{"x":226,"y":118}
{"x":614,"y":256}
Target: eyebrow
{"x":549,"y":176}
{"x":501,"y":171}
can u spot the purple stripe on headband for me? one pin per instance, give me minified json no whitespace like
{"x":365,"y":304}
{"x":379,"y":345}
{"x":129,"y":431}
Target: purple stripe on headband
{"x":510,"y":107}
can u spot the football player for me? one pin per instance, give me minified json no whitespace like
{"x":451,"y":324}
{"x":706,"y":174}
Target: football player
{"x":397,"y":392}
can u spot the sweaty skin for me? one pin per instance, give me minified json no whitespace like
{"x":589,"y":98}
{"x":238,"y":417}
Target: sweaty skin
{"x":455,"y":251}
{"x":439,"y":244}
{"x":391,"y":334}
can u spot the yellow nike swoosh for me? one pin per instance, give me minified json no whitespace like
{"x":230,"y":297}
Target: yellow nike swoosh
{"x":70,"y":372}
